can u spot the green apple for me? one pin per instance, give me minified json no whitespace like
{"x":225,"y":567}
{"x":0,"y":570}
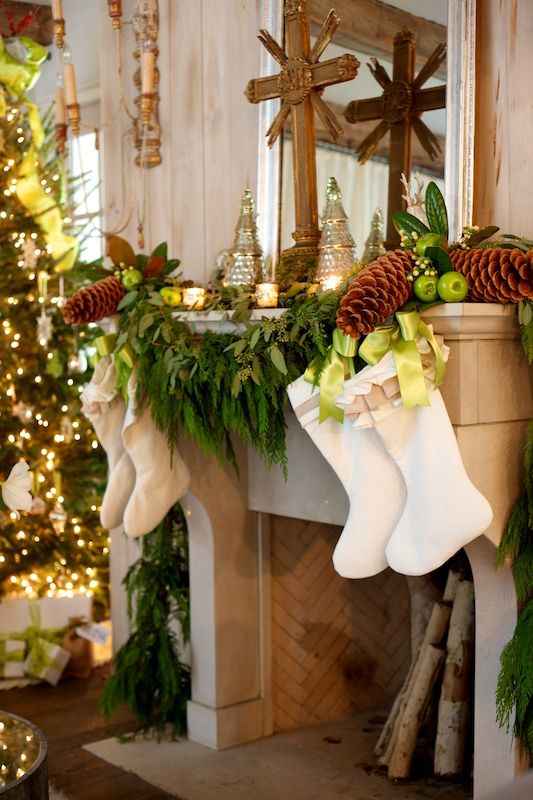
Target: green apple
{"x":131,"y":278}
{"x":171,"y":295}
{"x":425,"y":288}
{"x":452,"y":287}
{"x":429,"y":240}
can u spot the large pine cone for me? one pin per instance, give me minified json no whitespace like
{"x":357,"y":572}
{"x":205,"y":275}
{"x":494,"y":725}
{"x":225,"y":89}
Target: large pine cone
{"x":93,"y":302}
{"x":377,"y":292}
{"x":496,"y":275}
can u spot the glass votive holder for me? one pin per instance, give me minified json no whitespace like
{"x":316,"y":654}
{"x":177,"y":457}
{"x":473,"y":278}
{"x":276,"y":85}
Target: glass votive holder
{"x":330,"y":282}
{"x":266,"y":295}
{"x":194,"y":297}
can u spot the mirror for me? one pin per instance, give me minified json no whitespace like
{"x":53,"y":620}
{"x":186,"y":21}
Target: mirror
{"x":367,"y":30}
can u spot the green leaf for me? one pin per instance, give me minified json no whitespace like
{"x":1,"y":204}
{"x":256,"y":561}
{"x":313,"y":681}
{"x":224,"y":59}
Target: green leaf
{"x":525,"y":312}
{"x":278,"y":360}
{"x":440,"y":259}
{"x":239,"y":346}
{"x":127,"y":300}
{"x":236,"y":386}
{"x":254,"y":338}
{"x":145,"y":323}
{"x":408,"y":224}
{"x":256,"y":371}
{"x":480,"y":236}
{"x":155,"y":299}
{"x":436,"y":209}
{"x":171,"y":266}
{"x":161,"y":250}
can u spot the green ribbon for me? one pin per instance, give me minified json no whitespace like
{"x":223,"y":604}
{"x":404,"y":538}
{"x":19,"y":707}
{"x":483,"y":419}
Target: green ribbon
{"x":11,"y":655}
{"x":339,"y":364}
{"x":105,"y":345}
{"x":36,"y":640}
{"x":400,"y":337}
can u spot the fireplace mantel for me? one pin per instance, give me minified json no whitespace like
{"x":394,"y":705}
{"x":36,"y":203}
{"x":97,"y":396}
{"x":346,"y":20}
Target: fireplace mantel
{"x":488,"y":394}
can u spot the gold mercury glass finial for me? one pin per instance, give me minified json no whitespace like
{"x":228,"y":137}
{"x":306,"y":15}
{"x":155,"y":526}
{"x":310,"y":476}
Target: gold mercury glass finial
{"x":375,"y":244}
{"x":246,"y":264}
{"x":336,"y":251}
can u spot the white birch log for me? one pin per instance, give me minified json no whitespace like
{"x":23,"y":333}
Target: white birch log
{"x":434,"y":635}
{"x":453,"y":713}
{"x":451,"y":586}
{"x":431,"y":660}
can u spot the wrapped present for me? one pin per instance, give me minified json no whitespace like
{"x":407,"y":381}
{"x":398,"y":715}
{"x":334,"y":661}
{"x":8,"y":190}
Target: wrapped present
{"x":46,"y":661}
{"x":80,"y":648}
{"x":54,"y":612}
{"x":12,"y":653}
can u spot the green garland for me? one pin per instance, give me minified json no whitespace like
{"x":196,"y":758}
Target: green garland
{"x":515,"y":682}
{"x":149,"y":677}
{"x":217,"y":385}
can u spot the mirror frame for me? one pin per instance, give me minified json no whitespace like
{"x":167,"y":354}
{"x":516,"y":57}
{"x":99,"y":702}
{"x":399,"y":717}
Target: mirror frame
{"x":460,"y":113}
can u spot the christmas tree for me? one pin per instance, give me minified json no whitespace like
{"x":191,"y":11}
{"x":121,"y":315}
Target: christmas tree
{"x":58,"y":548}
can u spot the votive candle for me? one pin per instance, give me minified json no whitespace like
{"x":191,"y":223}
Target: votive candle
{"x":194,"y":297}
{"x":266,"y":295}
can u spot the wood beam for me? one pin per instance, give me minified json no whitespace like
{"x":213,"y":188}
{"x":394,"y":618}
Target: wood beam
{"x":371,"y":25}
{"x":353,"y":135}
{"x":41,"y":28}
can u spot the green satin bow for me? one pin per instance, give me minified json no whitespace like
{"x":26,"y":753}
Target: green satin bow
{"x":339,"y":364}
{"x":105,"y":346}
{"x":400,"y":337}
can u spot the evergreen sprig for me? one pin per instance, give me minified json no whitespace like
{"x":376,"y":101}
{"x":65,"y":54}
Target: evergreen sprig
{"x":223,"y":384}
{"x":514,"y":693}
{"x":149,"y":677}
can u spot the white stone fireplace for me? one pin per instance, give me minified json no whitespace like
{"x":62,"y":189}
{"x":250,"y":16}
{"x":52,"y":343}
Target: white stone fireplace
{"x":238,"y":534}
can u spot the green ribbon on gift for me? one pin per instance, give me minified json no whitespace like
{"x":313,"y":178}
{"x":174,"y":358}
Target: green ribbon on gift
{"x":339,"y":364}
{"x":40,"y":659}
{"x":11,"y":655}
{"x":400,"y":338}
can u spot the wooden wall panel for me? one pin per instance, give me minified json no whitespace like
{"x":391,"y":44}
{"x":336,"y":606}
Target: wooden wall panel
{"x":339,"y":647}
{"x":503,"y":185}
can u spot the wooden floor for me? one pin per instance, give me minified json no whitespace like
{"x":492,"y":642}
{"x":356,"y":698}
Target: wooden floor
{"x":69,"y":717}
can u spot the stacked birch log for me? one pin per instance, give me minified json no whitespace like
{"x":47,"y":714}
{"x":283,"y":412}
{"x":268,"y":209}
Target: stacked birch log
{"x":445,"y":653}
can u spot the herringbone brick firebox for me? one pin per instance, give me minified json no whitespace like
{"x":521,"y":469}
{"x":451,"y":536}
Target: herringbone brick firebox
{"x":339,"y":647}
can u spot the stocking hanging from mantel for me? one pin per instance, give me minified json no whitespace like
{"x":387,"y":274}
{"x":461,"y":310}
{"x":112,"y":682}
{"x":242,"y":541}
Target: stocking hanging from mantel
{"x":412,"y":505}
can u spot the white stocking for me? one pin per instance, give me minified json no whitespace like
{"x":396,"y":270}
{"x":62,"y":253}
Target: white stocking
{"x":106,"y":410}
{"x":444,"y":511}
{"x":373,"y":484}
{"x":162,"y":477}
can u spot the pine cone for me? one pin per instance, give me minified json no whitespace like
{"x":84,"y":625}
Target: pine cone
{"x":496,"y":275}
{"x":377,"y":292}
{"x":93,"y":302}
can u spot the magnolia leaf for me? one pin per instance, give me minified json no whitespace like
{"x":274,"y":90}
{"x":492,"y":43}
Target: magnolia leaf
{"x":121,"y":252}
{"x":145,"y":323}
{"x":154,"y":267}
{"x":161,"y":250}
{"x":408,"y":224}
{"x":440,"y":259}
{"x":436,"y":213}
{"x":278,"y":360}
{"x":254,"y":338}
{"x":171,"y":266}
{"x":127,"y":300}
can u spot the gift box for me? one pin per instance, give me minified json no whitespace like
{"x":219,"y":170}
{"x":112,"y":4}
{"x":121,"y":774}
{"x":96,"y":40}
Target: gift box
{"x":12,"y":658}
{"x":46,"y":661}
{"x":81,"y":660}
{"x":54,"y":612}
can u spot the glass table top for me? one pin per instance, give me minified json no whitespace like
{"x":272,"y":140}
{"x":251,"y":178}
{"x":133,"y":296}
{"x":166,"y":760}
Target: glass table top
{"x":22,"y":747}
